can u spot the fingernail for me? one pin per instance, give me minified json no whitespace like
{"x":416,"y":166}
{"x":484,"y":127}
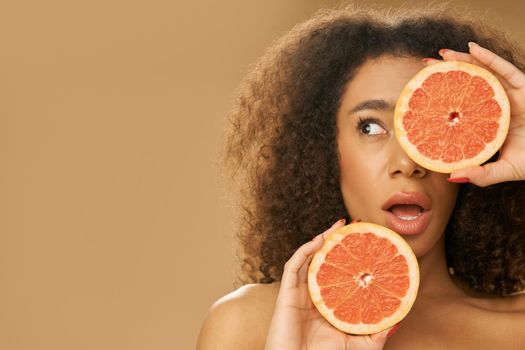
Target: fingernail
{"x":443,"y":51}
{"x":459,"y":180}
{"x":427,"y":60}
{"x":471,"y":44}
{"x":343,"y":220}
{"x":340,"y":221}
{"x":317,"y":237}
{"x":393,"y":330}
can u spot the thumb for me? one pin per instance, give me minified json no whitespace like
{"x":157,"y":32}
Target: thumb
{"x":485,"y":175}
{"x":382,"y":337}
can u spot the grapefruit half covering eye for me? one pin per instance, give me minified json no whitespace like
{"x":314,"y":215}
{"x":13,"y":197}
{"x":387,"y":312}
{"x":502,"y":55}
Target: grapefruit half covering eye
{"x":452,"y":115}
{"x":364,"y":279}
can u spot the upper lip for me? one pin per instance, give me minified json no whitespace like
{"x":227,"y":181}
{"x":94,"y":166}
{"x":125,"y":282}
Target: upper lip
{"x":417,"y":198}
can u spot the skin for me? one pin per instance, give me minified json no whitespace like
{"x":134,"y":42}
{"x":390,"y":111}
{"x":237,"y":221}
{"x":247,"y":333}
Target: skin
{"x":446,"y":313}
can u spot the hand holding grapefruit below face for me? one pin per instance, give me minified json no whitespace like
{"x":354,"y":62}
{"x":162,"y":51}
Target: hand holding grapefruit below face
{"x":452,"y":115}
{"x":364,"y":279}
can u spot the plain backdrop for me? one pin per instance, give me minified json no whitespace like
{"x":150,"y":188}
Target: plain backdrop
{"x":115,"y":224}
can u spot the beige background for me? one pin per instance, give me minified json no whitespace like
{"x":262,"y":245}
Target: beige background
{"x":115,"y":226}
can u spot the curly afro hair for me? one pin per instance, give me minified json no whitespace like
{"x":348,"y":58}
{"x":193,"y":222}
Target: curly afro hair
{"x":282,"y":142}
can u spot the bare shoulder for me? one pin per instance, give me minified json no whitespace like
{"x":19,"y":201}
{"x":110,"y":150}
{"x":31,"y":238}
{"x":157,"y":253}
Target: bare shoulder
{"x":515,"y":303}
{"x":240,"y":319}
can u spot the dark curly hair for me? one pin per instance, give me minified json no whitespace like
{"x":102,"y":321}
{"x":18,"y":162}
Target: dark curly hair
{"x":282,"y":142}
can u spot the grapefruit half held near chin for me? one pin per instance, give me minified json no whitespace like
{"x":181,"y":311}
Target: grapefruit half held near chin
{"x":364,"y":279}
{"x":452,"y":115}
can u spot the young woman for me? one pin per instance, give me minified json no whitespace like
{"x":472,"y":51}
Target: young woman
{"x":313,"y":140}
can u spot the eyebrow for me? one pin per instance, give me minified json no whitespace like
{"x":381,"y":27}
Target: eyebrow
{"x":377,"y":105}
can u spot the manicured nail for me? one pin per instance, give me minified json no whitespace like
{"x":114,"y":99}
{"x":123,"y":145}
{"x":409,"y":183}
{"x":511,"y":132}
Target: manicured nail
{"x":459,"y":180}
{"x":338,"y":222}
{"x":393,"y":330}
{"x":443,"y":51}
{"x":343,"y":220}
{"x":317,"y":237}
{"x":427,"y":60}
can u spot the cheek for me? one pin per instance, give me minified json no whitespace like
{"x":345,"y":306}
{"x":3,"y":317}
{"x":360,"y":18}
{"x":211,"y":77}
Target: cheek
{"x":359,"y":170}
{"x":351,"y":165}
{"x":362,"y":166}
{"x":448,"y":190}
{"x":447,"y":194}
{"x":451,"y":196}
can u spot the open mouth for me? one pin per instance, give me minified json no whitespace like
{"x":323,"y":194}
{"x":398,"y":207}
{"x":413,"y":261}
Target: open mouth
{"x":406,"y":212}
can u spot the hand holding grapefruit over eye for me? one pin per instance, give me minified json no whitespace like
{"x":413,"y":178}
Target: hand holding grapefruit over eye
{"x":452,"y":115}
{"x":364,"y":279}
{"x":510,"y":165}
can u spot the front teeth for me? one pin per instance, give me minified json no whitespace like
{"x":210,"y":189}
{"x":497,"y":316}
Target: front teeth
{"x":408,"y":218}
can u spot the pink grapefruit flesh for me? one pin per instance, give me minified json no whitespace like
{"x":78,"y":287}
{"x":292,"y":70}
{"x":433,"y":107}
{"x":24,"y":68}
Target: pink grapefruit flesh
{"x":364,"y":279}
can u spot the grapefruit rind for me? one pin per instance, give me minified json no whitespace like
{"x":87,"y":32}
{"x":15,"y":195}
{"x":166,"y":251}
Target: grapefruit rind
{"x":407,"y":301}
{"x":416,"y":82}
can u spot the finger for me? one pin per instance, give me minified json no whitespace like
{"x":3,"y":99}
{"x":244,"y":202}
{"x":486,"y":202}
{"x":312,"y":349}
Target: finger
{"x":505,"y":69}
{"x":302,"y":275}
{"x":290,"y":278}
{"x":517,"y":107}
{"x":428,"y":61}
{"x":299,"y":259}
{"x":372,"y":341}
{"x":452,"y":55}
{"x":303,"y":271}
{"x":384,"y":335}
{"x":488,"y":174}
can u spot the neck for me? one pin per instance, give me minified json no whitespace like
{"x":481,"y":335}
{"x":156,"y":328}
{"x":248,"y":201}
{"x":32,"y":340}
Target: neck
{"x":436,"y":280}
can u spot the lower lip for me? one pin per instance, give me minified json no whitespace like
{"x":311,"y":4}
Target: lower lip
{"x":407,"y":227}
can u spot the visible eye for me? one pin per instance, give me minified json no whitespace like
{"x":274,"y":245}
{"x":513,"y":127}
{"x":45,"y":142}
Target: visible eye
{"x":370,"y":126}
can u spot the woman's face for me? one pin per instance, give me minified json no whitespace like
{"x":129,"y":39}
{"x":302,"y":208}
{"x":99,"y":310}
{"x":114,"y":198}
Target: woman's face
{"x":379,"y":182}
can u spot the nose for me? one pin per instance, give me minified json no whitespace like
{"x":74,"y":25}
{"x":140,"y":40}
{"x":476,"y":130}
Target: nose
{"x":401,"y":164}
